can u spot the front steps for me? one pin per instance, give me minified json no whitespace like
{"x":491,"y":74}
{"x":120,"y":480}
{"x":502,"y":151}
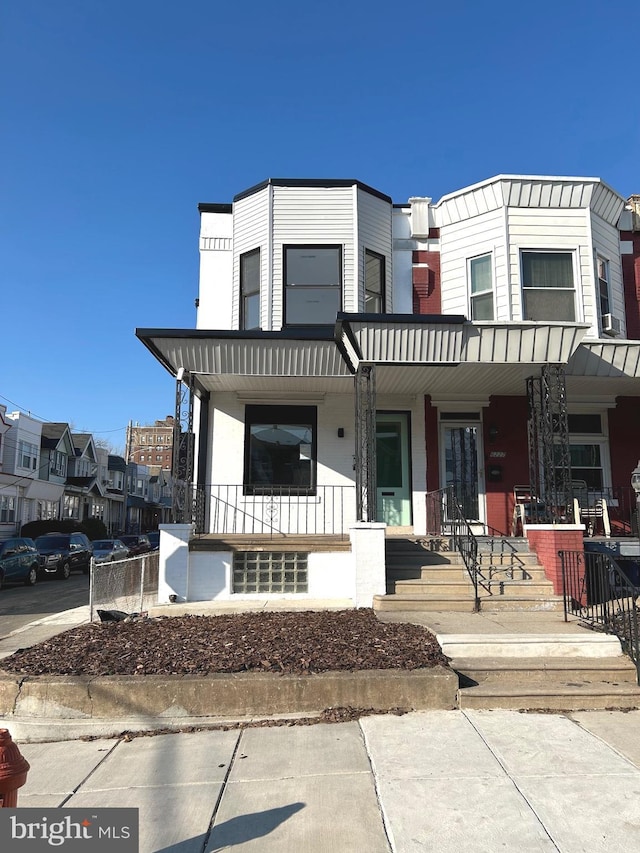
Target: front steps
{"x":424,"y":575}
{"x":573,"y":683}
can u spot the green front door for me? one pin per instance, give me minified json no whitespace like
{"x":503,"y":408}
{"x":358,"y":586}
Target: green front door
{"x":393,"y":469}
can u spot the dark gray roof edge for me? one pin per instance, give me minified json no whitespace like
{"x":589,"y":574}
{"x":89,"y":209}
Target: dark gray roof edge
{"x":327,"y":183}
{"x":213,"y":207}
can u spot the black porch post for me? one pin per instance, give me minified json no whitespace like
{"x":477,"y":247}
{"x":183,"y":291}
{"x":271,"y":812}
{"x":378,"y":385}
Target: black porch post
{"x":182,"y":458}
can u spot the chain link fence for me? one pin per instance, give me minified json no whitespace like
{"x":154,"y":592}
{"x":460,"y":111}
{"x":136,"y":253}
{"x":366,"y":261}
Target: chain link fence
{"x":128,"y":585}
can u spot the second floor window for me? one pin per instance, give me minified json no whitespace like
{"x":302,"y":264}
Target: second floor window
{"x":481,"y":287}
{"x":313,"y":284}
{"x":603,"y":285}
{"x":27,"y":455}
{"x":374,"y":277}
{"x":250,"y":290}
{"x":548,"y":290}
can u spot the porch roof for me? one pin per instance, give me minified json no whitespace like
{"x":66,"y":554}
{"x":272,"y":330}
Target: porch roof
{"x":446,"y":354}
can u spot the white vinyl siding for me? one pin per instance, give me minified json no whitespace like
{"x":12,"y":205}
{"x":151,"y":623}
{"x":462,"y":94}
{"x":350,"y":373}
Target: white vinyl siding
{"x":251,"y":231}
{"x":374,"y":233}
{"x":606,"y":244}
{"x":484,"y":234}
{"x":313,"y":216}
{"x":543,"y":229}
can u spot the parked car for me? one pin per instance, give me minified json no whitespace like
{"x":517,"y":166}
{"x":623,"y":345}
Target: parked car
{"x":19,"y":561}
{"x":109,"y":550}
{"x":137,"y":544}
{"x":154,"y":538}
{"x":63,"y":552}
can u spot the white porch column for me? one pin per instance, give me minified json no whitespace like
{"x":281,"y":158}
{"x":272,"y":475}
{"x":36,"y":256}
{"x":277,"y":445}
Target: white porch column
{"x":173,"y":570}
{"x":367,"y":547}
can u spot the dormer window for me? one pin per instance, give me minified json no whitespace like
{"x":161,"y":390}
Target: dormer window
{"x":548,"y":290}
{"x":250,"y":290}
{"x":313,"y":284}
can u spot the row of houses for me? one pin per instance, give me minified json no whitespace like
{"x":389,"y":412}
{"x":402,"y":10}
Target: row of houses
{"x":355,"y":357}
{"x":48,"y":471}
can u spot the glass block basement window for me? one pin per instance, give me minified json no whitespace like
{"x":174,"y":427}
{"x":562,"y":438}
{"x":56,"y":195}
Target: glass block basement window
{"x":270,"y":572}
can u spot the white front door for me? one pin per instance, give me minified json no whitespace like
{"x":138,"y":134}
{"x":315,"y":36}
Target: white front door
{"x":393,"y":468}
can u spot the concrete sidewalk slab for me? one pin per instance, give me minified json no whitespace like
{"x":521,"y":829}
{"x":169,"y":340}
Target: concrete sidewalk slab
{"x":59,"y":769}
{"x":620,"y":731}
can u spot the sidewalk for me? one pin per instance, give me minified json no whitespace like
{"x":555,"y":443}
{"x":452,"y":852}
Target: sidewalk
{"x":441,"y":781}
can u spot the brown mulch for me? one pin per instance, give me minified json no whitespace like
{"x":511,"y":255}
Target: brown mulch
{"x":300,"y":642}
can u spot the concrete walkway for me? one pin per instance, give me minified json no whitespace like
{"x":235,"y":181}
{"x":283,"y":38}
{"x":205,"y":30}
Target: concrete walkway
{"x":442,"y":781}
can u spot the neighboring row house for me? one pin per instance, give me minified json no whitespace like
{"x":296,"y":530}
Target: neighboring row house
{"x":49,"y":472}
{"x":355,"y":360}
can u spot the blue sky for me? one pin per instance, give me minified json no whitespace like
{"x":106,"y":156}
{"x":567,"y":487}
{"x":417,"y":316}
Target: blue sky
{"x":120,"y":117}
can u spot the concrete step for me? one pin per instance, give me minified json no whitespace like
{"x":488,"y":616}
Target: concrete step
{"x":429,"y":586}
{"x":545,"y":671}
{"x":413,"y":603}
{"x":585,"y":644}
{"x":571,"y":697}
{"x":459,"y":572}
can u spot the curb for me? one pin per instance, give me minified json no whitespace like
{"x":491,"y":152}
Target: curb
{"x":80,"y":698}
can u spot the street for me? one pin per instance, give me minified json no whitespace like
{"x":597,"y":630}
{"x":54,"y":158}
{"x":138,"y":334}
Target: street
{"x":20,"y":605}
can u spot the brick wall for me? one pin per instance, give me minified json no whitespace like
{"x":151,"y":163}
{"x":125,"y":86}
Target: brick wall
{"x":426,"y":283}
{"x":547,"y":540}
{"x":631,"y":281}
{"x":506,"y":450}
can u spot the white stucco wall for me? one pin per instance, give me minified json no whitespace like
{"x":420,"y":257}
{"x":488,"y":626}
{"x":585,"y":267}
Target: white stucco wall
{"x":216,"y":272}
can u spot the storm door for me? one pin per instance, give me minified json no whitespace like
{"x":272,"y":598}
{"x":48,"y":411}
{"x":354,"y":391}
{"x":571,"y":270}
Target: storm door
{"x":461,"y":445}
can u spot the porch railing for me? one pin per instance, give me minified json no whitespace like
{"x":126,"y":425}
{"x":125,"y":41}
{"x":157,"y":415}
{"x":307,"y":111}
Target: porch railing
{"x":446,"y":518}
{"x":605,"y":592}
{"x":276,"y":511}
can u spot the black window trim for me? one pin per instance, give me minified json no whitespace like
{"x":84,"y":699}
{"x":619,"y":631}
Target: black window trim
{"x":285,"y":247}
{"x":278,"y":414}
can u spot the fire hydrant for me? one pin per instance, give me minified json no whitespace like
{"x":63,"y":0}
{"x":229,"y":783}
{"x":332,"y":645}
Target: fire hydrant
{"x":13,"y":770}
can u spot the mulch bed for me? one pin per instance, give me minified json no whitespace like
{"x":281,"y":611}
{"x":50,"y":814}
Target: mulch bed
{"x":300,"y":642}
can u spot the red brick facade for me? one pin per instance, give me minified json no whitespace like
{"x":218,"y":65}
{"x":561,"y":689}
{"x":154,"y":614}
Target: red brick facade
{"x":426,"y":283}
{"x":631,"y":280}
{"x":547,"y":542}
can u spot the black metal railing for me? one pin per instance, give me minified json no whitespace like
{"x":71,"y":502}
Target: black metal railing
{"x":276,"y":511}
{"x":604,"y":591}
{"x":445,"y":518}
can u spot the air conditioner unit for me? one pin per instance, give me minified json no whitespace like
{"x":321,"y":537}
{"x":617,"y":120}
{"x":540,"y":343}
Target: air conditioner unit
{"x":611,"y":325}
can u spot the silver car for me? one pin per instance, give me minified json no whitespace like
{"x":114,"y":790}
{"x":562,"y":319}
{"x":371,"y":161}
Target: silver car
{"x":109,"y":550}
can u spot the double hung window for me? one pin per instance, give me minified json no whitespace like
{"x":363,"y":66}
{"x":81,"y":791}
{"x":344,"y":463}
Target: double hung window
{"x":374,"y":282}
{"x":27,"y":455}
{"x":602,"y":267}
{"x":280,"y":449}
{"x":250,"y":290}
{"x":481,"y":288}
{"x":548,"y":288}
{"x":313,"y":284}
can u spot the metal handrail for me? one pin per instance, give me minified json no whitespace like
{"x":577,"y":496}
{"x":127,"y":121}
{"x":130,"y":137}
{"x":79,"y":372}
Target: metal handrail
{"x":445,"y":513}
{"x":596,"y":588}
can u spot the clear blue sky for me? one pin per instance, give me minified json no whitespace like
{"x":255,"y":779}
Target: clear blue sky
{"x":119,"y":117}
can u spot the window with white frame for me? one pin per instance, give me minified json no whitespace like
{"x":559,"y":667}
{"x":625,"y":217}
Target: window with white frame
{"x":588,"y":448}
{"x":7,"y":508}
{"x":481,"y":287}
{"x":602,"y":268}
{"x":58,"y":463}
{"x":71,"y":506}
{"x":313,"y":284}
{"x":27,"y":455}
{"x":250,"y":290}
{"x":46,"y":510}
{"x":548,"y":287}
{"x":374,"y":282}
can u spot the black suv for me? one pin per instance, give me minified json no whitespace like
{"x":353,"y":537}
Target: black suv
{"x":63,"y":552}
